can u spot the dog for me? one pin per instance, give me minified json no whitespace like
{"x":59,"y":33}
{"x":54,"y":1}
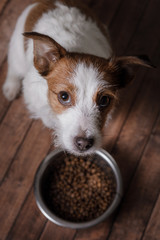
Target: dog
{"x":69,"y":74}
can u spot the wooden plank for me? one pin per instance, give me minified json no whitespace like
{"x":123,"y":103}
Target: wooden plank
{"x":3,"y":4}
{"x":31,"y":217}
{"x":4,"y":104}
{"x":126,"y":23}
{"x":13,"y":130}
{"x":140,"y":199}
{"x":97,"y":232}
{"x":20,"y":177}
{"x":106,"y":10}
{"x":30,"y":223}
{"x":153,"y":229}
{"x":148,"y":31}
{"x":8,"y":20}
{"x":59,"y":233}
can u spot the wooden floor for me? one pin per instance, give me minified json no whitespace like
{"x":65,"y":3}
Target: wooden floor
{"x":133,"y":136}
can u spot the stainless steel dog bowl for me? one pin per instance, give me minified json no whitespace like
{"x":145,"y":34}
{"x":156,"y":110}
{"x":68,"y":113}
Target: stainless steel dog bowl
{"x":102,"y":158}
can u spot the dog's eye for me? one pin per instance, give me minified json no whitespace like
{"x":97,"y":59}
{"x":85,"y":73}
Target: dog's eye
{"x":64,"y":98}
{"x":104,"y":101}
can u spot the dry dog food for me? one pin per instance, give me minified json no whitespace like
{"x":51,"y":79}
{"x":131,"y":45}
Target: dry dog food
{"x":79,"y":190}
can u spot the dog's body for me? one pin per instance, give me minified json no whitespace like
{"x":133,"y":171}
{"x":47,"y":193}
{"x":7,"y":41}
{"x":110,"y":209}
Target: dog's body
{"x":72,"y":83}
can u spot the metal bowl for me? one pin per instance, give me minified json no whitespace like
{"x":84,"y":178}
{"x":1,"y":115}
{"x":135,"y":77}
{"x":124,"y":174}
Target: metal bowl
{"x":101,"y":158}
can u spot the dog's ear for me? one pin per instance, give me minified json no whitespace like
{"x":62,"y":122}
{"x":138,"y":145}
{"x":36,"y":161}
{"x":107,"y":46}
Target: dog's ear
{"x":121,"y":68}
{"x":46,"y":52}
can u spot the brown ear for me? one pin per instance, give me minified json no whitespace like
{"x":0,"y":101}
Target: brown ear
{"x":46,"y":51}
{"x":121,"y":68}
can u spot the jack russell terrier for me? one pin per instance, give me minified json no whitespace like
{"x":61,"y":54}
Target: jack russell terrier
{"x":70,"y":76}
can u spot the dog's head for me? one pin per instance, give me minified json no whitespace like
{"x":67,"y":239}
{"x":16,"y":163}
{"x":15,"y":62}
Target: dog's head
{"x":82,"y":91}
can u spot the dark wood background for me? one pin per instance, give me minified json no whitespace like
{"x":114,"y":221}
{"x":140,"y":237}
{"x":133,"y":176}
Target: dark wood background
{"x":133,"y":136}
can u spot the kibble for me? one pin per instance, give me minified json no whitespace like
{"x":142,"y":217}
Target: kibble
{"x":79,"y":190}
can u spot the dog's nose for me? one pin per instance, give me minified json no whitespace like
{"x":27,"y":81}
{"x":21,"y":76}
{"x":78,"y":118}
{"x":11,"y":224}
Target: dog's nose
{"x":83,"y":144}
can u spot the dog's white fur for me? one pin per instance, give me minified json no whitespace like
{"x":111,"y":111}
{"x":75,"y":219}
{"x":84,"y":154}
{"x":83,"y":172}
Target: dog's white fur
{"x":70,"y":28}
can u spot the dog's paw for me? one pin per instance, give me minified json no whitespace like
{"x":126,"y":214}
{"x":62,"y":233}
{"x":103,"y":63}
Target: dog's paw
{"x":11,"y":89}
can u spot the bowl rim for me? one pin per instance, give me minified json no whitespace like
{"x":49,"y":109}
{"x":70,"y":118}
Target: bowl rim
{"x":69,"y":224}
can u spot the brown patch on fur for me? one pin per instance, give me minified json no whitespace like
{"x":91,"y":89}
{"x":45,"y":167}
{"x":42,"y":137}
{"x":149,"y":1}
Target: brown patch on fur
{"x":36,"y":12}
{"x":58,"y":80}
